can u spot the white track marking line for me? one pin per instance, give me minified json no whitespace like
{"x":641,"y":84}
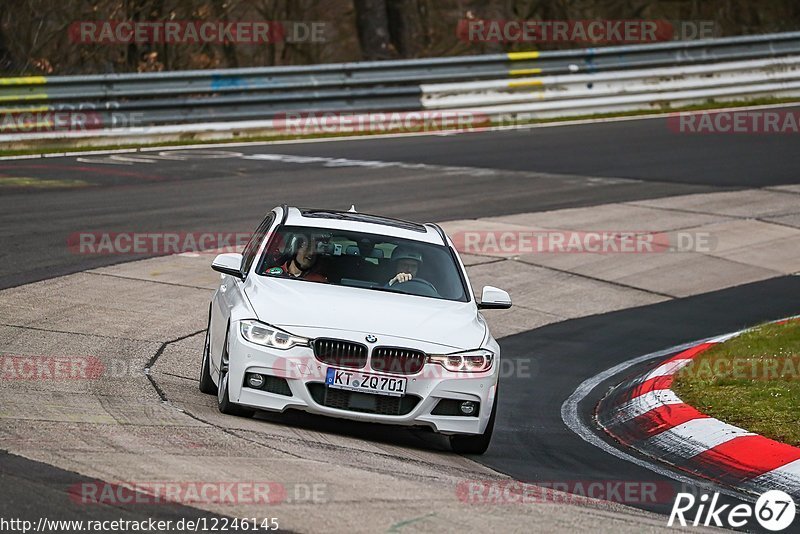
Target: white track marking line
{"x":370,"y":164}
{"x":132,"y":159}
{"x":87,"y":153}
{"x":24,"y":156}
{"x":106,"y":161}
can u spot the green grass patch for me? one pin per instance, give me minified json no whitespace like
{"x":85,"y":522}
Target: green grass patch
{"x":751,"y":381}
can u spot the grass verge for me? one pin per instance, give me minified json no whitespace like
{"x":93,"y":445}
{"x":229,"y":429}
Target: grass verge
{"x":751,"y":381}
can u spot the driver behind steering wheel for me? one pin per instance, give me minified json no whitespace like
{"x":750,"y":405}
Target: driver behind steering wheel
{"x":406,"y":264}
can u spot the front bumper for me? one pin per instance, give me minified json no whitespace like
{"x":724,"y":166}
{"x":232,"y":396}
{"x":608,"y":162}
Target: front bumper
{"x":300,"y":368}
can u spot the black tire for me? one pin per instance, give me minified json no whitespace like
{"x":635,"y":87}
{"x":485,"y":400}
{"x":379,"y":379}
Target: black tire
{"x":223,"y":401}
{"x":478,"y":443}
{"x":207,"y":385}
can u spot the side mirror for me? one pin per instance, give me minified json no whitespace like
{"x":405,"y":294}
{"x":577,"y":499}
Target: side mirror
{"x":230,"y":263}
{"x":493,"y":298}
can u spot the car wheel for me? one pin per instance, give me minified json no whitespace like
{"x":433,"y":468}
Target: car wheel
{"x":223,"y":401}
{"x":476,"y":444}
{"x":207,"y":385}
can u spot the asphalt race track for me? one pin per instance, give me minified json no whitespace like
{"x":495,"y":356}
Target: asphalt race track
{"x":534,"y":444}
{"x":435,"y":178}
{"x":31,"y":487}
{"x":527,"y":170}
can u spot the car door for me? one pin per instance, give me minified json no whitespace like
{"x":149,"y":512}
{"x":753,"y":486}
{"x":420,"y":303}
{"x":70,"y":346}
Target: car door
{"x":230,"y":293}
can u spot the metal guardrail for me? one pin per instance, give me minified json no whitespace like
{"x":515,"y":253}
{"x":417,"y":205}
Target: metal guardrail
{"x":572,"y":94}
{"x":547,"y":83}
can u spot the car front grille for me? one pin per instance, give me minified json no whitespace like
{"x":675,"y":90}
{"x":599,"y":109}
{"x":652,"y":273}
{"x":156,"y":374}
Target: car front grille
{"x":354,"y":401}
{"x":340,"y":353}
{"x":397,"y":360}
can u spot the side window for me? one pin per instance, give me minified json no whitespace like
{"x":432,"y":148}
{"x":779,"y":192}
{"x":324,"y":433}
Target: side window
{"x":251,"y":249}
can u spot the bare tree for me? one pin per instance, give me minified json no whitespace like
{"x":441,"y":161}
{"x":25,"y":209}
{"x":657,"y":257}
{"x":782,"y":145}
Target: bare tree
{"x":35,"y":34}
{"x":372,"y":24}
{"x":406,"y":29}
{"x":221,"y":11}
{"x":7,"y":61}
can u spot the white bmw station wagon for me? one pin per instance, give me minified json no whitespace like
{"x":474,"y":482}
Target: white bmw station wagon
{"x":355,"y":316}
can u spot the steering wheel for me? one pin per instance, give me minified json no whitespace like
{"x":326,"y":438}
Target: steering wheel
{"x":418,"y":287}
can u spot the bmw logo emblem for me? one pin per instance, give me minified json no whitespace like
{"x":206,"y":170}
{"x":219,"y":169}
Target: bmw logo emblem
{"x":371,"y":339}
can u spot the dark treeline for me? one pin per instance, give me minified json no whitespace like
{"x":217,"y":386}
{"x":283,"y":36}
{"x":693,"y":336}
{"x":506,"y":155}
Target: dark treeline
{"x":35,"y":34}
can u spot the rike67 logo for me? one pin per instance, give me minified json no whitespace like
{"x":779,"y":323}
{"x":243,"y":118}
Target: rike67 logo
{"x":774,"y":510}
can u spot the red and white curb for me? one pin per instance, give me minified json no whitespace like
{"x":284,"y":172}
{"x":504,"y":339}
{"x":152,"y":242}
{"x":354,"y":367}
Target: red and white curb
{"x":646,"y":415}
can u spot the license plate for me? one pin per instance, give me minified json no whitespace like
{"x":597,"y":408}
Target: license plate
{"x":366,"y":383}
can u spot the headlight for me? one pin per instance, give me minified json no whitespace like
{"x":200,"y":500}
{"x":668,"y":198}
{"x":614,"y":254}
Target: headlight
{"x":269,"y":336}
{"x":473,"y":361}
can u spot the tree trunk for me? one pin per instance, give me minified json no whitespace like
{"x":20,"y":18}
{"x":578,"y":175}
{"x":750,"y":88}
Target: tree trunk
{"x":405,"y":27}
{"x":228,"y":49}
{"x":7,"y":63}
{"x":372,"y":23}
{"x":133,"y":54}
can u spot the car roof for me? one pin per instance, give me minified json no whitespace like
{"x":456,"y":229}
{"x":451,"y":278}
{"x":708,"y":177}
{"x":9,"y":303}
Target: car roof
{"x":363,"y":222}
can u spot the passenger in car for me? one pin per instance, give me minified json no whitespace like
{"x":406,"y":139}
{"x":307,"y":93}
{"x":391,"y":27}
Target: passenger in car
{"x":303,"y":263}
{"x":406,"y":264}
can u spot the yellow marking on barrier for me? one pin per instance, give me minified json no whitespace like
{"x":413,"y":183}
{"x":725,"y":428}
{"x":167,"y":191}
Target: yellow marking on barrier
{"x":518,"y":56}
{"x":524,"y":72}
{"x":12,"y":98}
{"x":526,"y":83}
{"x":33,"y":109}
{"x":24,"y":80}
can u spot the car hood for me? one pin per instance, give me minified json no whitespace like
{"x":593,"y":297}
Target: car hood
{"x":299,"y":306}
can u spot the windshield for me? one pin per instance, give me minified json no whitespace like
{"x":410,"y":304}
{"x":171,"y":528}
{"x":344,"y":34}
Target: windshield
{"x":366,"y":261}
